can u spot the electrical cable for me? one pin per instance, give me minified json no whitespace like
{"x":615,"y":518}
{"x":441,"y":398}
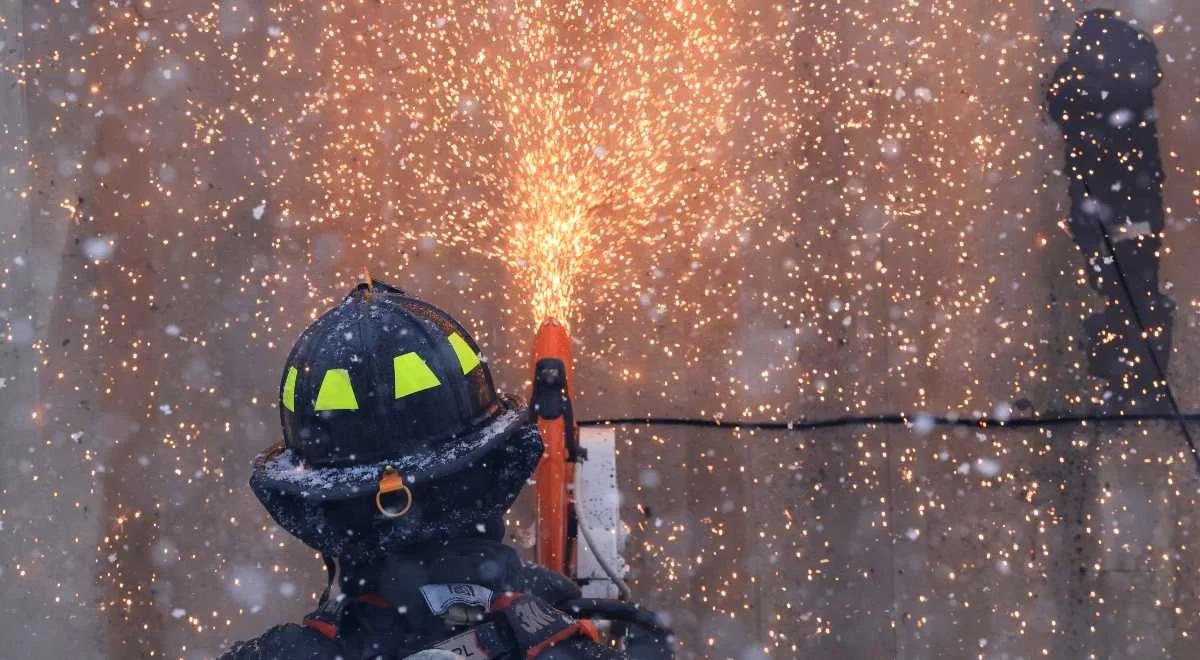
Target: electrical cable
{"x":895,"y":419}
{"x":615,"y":610}
{"x":612,"y":574}
{"x":1144,"y":337}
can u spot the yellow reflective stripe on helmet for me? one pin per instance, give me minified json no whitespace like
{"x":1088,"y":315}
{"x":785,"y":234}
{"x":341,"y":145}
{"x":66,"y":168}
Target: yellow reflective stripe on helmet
{"x":467,"y":358}
{"x":336,"y":392}
{"x":412,"y":375}
{"x":289,"y":390}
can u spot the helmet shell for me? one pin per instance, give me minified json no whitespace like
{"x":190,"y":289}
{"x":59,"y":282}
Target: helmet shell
{"x":408,"y":394}
{"x":362,"y":339}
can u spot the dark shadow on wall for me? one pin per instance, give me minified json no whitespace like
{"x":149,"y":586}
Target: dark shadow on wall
{"x":1101,"y":96}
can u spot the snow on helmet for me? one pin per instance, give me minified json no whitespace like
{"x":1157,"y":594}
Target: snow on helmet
{"x":393,"y":433}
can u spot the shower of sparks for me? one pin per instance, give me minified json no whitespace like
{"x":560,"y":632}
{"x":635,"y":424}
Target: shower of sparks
{"x":745,"y":209}
{"x":570,"y":141}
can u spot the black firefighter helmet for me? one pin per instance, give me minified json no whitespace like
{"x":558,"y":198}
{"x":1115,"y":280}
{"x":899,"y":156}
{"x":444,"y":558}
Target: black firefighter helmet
{"x":393,"y":433}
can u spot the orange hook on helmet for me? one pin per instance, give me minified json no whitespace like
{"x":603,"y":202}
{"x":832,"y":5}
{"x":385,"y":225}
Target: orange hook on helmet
{"x":390,"y":482}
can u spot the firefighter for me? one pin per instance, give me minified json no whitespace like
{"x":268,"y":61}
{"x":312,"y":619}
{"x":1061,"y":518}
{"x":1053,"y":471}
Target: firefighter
{"x":398,"y":462}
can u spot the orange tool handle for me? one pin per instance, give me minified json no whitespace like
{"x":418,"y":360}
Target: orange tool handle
{"x":555,"y":474}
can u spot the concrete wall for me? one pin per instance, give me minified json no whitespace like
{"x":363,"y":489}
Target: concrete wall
{"x":49,"y":505}
{"x":919,"y":266}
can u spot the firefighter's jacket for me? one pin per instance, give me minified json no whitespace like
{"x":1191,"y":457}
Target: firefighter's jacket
{"x":473,"y":598}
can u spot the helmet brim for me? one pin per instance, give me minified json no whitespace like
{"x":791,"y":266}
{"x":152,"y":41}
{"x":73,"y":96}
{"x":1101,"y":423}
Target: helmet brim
{"x":279,"y":469}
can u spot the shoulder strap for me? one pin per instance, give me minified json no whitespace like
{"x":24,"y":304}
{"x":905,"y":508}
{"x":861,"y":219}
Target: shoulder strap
{"x":520,"y":625}
{"x":331,"y":569}
{"x":536,"y":626}
{"x":327,"y":617}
